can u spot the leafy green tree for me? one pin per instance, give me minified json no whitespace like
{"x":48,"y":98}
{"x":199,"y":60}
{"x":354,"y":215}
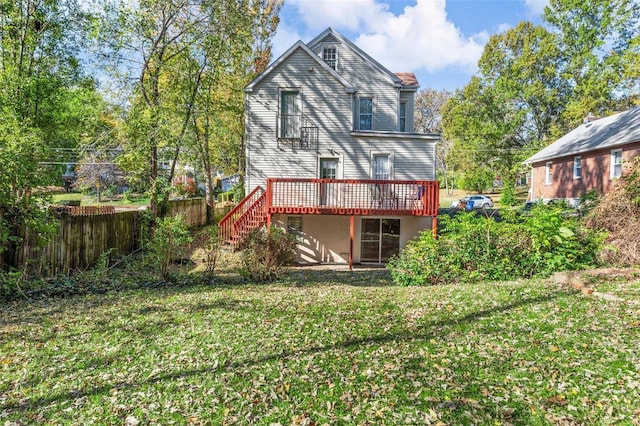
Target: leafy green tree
{"x":535,"y":83}
{"x":40,"y":77}
{"x":599,"y":41}
{"x":428,"y":109}
{"x":21,"y":150}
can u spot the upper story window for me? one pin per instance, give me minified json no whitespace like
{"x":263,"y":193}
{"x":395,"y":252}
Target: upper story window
{"x":548,"y":173}
{"x":330,"y":56}
{"x":365,"y":113}
{"x":616,"y":163}
{"x":403,"y":117}
{"x":290,"y":114}
{"x":577,"y":167}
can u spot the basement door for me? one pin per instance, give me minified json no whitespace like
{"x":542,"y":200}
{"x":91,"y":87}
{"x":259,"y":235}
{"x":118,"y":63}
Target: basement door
{"x":379,"y":239}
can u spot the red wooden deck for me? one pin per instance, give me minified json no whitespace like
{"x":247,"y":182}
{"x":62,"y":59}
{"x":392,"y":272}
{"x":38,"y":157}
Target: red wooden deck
{"x":352,"y":197}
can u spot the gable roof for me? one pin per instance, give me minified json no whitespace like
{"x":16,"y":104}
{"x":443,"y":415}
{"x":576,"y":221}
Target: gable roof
{"x":331,"y":33}
{"x":608,"y":132}
{"x":299,"y":45}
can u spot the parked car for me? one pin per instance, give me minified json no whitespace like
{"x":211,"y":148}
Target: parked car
{"x":479,"y":202}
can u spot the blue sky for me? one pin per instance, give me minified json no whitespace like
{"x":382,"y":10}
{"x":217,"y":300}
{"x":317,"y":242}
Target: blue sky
{"x":439,"y":40}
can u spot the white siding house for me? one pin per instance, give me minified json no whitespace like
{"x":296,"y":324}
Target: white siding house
{"x":330,"y":151}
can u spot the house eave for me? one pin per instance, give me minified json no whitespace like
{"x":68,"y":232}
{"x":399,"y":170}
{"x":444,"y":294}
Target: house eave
{"x":531,"y":160}
{"x":349,"y":87}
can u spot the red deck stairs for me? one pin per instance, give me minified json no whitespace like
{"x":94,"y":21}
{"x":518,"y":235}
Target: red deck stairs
{"x":248,"y":215}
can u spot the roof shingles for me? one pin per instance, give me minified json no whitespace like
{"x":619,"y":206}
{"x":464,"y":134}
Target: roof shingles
{"x":607,"y":132}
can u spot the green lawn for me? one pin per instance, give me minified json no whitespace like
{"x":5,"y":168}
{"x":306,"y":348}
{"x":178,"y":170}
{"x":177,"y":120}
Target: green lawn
{"x":324,"y":347}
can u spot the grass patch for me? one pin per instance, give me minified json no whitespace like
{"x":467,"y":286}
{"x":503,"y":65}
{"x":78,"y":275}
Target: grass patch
{"x":323,"y":347}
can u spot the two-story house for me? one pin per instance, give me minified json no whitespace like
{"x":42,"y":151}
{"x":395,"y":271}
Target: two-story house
{"x":331,"y":155}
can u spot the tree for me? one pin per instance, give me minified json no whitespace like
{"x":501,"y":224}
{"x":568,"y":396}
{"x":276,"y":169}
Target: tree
{"x":599,"y":40}
{"x":429,"y":104}
{"x":534,"y":84}
{"x":39,"y":71}
{"x":185,"y":53}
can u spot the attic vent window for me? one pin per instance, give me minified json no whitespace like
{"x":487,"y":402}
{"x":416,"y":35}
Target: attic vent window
{"x":329,"y":56}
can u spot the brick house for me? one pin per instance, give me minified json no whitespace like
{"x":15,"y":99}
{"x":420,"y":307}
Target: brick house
{"x":588,"y":158}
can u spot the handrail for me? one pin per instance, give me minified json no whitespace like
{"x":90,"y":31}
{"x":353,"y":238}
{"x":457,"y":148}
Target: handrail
{"x":225,"y":225}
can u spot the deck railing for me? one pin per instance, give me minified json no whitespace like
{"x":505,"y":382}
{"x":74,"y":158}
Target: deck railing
{"x":358,"y":197}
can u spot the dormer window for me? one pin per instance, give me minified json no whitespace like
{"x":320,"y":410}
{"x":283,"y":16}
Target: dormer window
{"x":330,"y":56}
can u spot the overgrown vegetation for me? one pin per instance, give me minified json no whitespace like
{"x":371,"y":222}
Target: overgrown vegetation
{"x":267,"y":254}
{"x":618,"y":213}
{"x":169,"y":242}
{"x":472,"y":247}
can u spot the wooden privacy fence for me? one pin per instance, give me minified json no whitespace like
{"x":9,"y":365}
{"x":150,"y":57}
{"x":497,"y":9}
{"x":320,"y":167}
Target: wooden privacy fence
{"x":81,"y":240}
{"x":85,"y":233}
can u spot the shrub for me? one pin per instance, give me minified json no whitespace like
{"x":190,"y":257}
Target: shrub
{"x":475,"y":248}
{"x":266,"y":255}
{"x":211,"y":249}
{"x":170,"y":239}
{"x":509,"y":196}
{"x":618,"y":213}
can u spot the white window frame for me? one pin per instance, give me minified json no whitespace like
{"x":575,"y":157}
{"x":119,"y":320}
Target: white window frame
{"x":616,"y":164}
{"x":329,"y":61}
{"x":548,"y":173}
{"x":283,"y":123}
{"x":402,"y":120}
{"x":372,"y":113}
{"x":372,"y":163}
{"x":577,"y":167}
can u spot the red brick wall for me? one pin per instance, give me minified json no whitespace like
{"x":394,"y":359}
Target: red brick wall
{"x":595,"y":173}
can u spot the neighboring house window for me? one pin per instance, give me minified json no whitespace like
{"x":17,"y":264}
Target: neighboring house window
{"x":290,"y":114}
{"x":330,"y":56}
{"x":381,"y":166}
{"x":577,"y":167}
{"x":616,"y":163}
{"x":403,"y":116}
{"x":365,"y":113}
{"x":548,"y":170}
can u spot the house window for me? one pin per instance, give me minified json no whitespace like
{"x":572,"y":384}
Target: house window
{"x":403,"y":116}
{"x":294,"y":226}
{"x":381,"y":167}
{"x":365,"y":114}
{"x":290,"y":116}
{"x":330,"y":56}
{"x":616,"y":163}
{"x":577,"y":167}
{"x":548,"y":170}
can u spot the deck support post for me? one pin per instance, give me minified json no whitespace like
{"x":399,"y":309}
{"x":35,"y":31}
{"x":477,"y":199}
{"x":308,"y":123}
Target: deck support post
{"x":434,"y":226}
{"x":351,"y":232}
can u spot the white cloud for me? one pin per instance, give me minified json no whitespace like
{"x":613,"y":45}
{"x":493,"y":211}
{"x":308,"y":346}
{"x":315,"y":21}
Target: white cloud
{"x":420,"y":38}
{"x":536,"y":7}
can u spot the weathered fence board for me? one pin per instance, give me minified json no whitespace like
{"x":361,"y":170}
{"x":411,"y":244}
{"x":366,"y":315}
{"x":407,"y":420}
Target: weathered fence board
{"x":81,"y":240}
{"x":194,"y":211}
